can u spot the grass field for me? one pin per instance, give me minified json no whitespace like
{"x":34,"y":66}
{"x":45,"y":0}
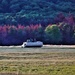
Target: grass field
{"x":49,"y":60}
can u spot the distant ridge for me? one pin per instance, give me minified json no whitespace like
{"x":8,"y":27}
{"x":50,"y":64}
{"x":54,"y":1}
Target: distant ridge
{"x":33,"y":11}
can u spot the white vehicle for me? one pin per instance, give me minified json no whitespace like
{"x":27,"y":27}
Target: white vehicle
{"x":32,"y":44}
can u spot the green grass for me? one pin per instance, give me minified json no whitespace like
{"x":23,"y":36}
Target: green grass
{"x":41,"y":68}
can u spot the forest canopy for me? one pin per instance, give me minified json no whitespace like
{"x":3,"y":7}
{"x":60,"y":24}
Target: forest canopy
{"x":33,"y":11}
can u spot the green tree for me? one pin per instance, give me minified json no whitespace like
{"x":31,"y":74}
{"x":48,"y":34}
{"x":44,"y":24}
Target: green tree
{"x":67,"y":32}
{"x":39,"y":34}
{"x":53,"y":34}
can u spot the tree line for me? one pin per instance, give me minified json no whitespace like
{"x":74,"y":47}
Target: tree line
{"x":63,"y":33}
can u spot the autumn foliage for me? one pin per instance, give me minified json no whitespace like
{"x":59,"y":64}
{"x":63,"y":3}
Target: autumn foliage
{"x":62,"y":32}
{"x":14,"y":35}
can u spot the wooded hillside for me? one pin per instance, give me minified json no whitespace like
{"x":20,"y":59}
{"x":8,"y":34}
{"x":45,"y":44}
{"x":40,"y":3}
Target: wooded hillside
{"x":33,"y":11}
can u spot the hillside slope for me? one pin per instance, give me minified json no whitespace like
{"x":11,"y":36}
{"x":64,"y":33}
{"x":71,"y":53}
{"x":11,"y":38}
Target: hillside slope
{"x":33,"y":11}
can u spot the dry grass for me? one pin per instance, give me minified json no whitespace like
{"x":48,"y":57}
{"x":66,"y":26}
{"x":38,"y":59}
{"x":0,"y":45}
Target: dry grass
{"x":43,"y":61}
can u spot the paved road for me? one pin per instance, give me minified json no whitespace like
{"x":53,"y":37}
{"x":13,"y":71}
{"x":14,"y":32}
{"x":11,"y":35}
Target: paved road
{"x":46,"y":48}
